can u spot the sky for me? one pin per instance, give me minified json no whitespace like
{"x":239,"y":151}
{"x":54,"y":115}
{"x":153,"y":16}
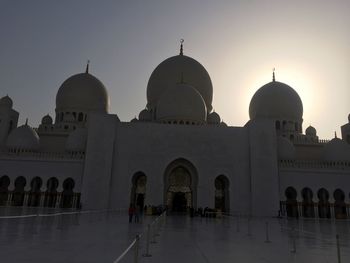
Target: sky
{"x":43,"y":42}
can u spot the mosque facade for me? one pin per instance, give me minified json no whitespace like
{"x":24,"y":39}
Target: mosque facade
{"x":178,"y":152}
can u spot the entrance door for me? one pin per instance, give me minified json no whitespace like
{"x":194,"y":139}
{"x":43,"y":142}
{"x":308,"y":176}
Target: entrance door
{"x":179,"y":202}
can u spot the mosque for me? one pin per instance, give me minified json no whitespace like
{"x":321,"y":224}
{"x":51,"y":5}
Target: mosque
{"x":178,"y":152}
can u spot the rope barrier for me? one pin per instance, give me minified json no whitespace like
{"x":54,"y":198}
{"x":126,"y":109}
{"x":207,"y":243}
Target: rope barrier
{"x":152,"y":231}
{"x":62,"y":213}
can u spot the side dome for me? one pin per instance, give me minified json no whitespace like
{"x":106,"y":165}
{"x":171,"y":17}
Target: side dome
{"x":310,"y":131}
{"x":76,"y":141}
{"x":145,"y":115}
{"x":213,"y":118}
{"x":171,"y":70}
{"x":285,"y":149}
{"x":181,"y":102}
{"x":336,"y":150}
{"x":82,"y":92}
{"x":6,"y":102}
{"x":23,"y":138}
{"x":46,"y":120}
{"x":276,"y":100}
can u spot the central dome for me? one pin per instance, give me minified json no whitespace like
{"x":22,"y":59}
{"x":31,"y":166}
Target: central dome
{"x":171,"y":71}
{"x":276,"y":100}
{"x":82,"y":92}
{"x":181,"y":102}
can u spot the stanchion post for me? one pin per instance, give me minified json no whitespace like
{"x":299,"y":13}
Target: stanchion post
{"x":153,"y":234}
{"x":338,"y":248}
{"x":136,"y":250}
{"x":293,"y":241}
{"x":147,"y":254}
{"x":267,"y":233}
{"x":249,"y":230}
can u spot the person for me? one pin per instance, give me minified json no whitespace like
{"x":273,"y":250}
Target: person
{"x":131,"y":212}
{"x":137,"y":213}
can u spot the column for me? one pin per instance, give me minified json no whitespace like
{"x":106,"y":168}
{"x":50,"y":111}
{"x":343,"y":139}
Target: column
{"x":42,"y":199}
{"x":58,"y":200}
{"x":316,"y":210}
{"x":9,"y":199}
{"x":26,"y":199}
{"x":75,"y":199}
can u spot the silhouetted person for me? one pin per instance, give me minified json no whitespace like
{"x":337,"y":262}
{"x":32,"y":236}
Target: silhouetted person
{"x":137,"y":214}
{"x":131,"y":213}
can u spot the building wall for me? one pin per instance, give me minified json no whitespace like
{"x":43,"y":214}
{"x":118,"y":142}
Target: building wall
{"x":151,"y":147}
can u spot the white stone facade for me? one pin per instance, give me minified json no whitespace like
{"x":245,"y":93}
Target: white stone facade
{"x":178,"y":154}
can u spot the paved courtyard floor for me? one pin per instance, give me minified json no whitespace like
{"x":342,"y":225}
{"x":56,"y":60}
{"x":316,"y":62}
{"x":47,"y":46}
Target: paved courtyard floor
{"x":103,"y":236}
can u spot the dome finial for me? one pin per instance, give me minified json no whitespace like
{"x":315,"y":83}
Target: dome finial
{"x":87,"y":67}
{"x":273,"y":75}
{"x":335,"y":134}
{"x":26,"y":122}
{"x":182,"y":46}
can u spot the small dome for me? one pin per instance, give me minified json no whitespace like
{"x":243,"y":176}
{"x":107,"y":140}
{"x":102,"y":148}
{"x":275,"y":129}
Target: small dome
{"x":134,"y":120}
{"x":23,"y":138}
{"x":213,"y":118}
{"x":276,"y":100}
{"x":223,"y":124}
{"x":285,"y":149}
{"x":47,"y":120}
{"x":310,"y":131}
{"x":82,"y":92}
{"x":76,"y":141}
{"x":6,"y":102}
{"x":171,"y":70}
{"x":181,"y":102}
{"x":336,"y":150}
{"x":145,"y":115}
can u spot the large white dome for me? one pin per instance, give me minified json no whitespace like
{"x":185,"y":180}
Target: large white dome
{"x":181,"y":102}
{"x":82,"y":92}
{"x":276,"y":100}
{"x":171,"y":71}
{"x":23,"y":138}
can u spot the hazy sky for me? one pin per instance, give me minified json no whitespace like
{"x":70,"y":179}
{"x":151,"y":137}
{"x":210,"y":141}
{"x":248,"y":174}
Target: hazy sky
{"x":238,"y":42}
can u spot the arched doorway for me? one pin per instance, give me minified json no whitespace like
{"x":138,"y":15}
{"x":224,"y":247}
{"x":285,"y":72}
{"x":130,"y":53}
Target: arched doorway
{"x":180,"y":186}
{"x":138,"y":190}
{"x":4,"y":183}
{"x":308,"y":204}
{"x":222,"y":197}
{"x":291,"y":203}
{"x":18,"y":193}
{"x":324,"y":210}
{"x":51,"y":193}
{"x":67,"y":194}
{"x":339,"y":204}
{"x":35,"y":193}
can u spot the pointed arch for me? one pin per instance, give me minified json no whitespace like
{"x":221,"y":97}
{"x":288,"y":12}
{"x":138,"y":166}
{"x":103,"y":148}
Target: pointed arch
{"x":222,"y":193}
{"x":180,"y":185}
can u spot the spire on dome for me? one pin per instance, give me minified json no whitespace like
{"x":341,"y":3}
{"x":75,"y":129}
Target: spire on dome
{"x":181,"y":46}
{"x":335,"y":134}
{"x":273,"y":75}
{"x":87,"y":67}
{"x":26,"y":122}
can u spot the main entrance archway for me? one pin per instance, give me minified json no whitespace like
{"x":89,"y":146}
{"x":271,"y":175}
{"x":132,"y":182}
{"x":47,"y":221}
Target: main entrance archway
{"x":180,"y":186}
